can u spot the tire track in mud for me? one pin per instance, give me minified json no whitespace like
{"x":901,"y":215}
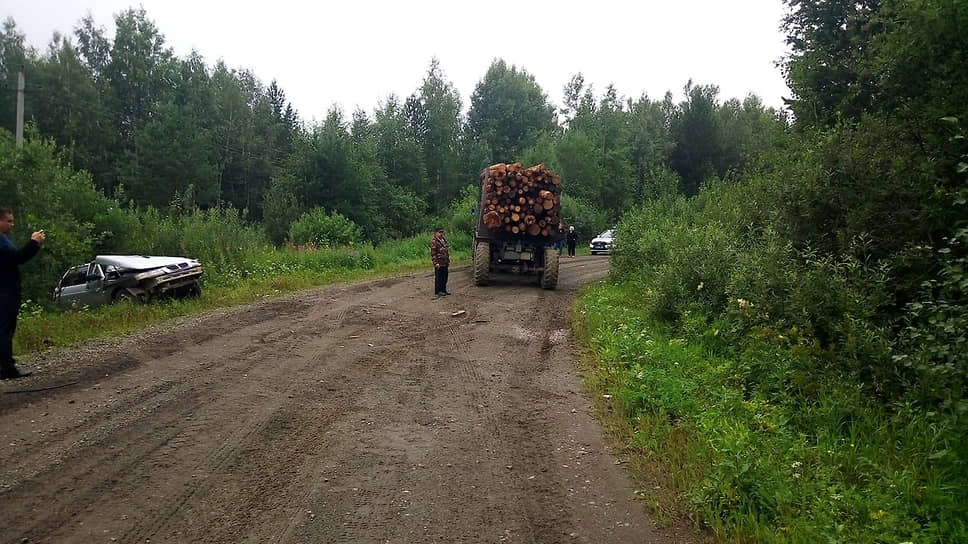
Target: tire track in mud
{"x":210,"y":466}
{"x":120,"y":443}
{"x":375,"y":475}
{"x":110,"y":425}
{"x":295,"y":415}
{"x":378,"y":473}
{"x":479,"y":383}
{"x":274,"y":415}
{"x":282,"y":510}
{"x":547,"y":516}
{"x":161,"y":343}
{"x":118,"y":412}
{"x":405,"y":373}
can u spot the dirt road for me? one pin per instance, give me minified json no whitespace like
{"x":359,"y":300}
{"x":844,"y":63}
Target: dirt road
{"x":360,"y":413}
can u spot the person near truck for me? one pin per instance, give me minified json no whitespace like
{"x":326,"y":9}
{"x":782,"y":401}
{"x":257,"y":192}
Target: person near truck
{"x":440,"y":255}
{"x":572,"y":239}
{"x":10,"y":260}
{"x":560,"y":237}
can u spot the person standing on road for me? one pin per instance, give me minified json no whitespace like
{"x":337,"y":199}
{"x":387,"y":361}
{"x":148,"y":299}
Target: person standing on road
{"x":572,"y":238}
{"x":10,"y":260}
{"x":440,"y":255}
{"x":560,"y":238}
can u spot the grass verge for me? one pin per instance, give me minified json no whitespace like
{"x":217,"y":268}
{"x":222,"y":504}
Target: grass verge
{"x":808,"y":459}
{"x":655,"y":484}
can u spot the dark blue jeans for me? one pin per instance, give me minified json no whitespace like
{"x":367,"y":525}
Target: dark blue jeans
{"x":9,"y":308}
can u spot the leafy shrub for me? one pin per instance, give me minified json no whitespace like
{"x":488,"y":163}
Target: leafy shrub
{"x":151,"y":232}
{"x":394,"y":212}
{"x":220,"y":237}
{"x":866,"y":179}
{"x":318,"y":228}
{"x":936,"y":332}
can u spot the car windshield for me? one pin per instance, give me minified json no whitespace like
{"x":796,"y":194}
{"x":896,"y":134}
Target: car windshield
{"x":609,"y":234}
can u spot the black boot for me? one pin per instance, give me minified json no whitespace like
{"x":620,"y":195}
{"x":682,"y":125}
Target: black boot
{"x":11,"y":372}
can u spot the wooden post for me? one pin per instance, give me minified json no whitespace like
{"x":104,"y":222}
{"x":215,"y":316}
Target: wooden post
{"x":20,"y":107}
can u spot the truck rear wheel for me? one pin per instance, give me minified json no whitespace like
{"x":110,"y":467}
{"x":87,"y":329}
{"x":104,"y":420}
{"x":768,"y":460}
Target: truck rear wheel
{"x":482,"y":262}
{"x":549,"y":276}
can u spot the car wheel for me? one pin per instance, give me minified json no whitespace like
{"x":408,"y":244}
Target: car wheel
{"x":125,"y":295}
{"x":194,"y":290}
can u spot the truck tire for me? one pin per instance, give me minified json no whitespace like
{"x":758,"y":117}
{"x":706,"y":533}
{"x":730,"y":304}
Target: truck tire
{"x":482,"y":262}
{"x":549,"y":276}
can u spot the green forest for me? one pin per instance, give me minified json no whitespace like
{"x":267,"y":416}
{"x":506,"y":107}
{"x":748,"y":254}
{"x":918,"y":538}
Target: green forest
{"x":784,"y":327}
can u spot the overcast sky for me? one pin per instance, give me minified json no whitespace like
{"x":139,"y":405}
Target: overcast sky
{"x":356,"y":52}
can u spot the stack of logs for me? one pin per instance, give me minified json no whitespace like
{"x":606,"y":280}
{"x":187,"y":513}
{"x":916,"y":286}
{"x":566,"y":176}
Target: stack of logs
{"x":521,"y":200}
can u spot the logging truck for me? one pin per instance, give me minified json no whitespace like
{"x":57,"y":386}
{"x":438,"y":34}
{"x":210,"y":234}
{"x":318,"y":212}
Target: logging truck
{"x":517,"y":223}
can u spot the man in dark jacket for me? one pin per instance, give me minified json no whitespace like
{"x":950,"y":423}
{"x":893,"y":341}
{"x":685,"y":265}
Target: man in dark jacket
{"x":560,"y":237}
{"x":10,"y":260}
{"x":572,"y":238}
{"x":440,"y":255}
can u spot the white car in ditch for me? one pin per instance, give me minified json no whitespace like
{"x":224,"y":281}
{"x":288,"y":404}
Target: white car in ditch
{"x":136,"y":278}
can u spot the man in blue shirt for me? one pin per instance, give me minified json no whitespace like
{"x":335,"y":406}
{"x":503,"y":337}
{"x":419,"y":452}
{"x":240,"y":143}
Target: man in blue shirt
{"x":10,"y":260}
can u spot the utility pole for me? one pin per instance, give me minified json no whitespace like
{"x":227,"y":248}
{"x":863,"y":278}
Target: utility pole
{"x":20,"y":107}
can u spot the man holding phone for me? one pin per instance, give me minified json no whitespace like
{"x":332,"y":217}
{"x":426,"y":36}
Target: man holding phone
{"x":10,"y":260}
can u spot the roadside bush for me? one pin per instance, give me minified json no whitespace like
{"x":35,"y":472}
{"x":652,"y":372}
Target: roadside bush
{"x":685,"y":259}
{"x":393,"y":212}
{"x":816,"y":413}
{"x":936,"y":332}
{"x":318,"y":228}
{"x":221,"y":238}
{"x":934,"y":337}
{"x":151,"y":233}
{"x":864,"y":179}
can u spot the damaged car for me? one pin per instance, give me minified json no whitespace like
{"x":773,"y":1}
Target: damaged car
{"x":135,"y":278}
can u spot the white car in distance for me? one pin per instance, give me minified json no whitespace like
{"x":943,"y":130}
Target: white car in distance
{"x":602,"y":243}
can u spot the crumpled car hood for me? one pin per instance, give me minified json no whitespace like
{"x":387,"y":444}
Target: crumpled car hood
{"x":141,"y":262}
